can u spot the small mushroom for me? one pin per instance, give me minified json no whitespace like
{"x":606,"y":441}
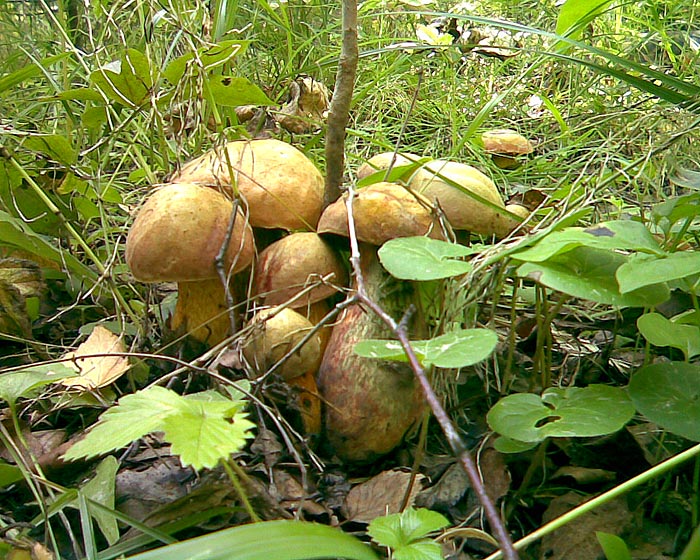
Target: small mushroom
{"x":295,"y":263}
{"x":281,"y":186}
{"x":505,"y":146}
{"x":176,"y":237}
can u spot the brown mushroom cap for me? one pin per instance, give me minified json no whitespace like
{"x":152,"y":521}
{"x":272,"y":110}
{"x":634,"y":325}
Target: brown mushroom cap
{"x":509,"y":224}
{"x":382,"y":211}
{"x":506,"y":142}
{"x":382,"y":162}
{"x":282,"y":187}
{"x":295,"y":262}
{"x":276,"y":332}
{"x":180,"y":230}
{"x":462,"y":211}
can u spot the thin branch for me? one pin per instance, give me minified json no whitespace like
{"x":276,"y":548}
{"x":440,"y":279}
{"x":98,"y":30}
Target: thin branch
{"x":456,"y":443}
{"x":339,"y":111}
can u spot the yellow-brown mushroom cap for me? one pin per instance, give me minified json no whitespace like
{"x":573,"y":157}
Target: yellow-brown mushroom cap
{"x":179,"y":231}
{"x":382,"y":162}
{"x":381,"y":211}
{"x":282,"y":187}
{"x":506,"y":142}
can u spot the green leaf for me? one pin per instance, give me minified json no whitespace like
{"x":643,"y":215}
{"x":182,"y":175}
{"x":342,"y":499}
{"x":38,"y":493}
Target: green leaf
{"x":9,"y":474}
{"x":507,"y":445}
{"x":460,"y":348}
{"x":572,"y":412}
{"x":127,"y":81}
{"x":29,"y":71}
{"x":278,"y":540}
{"x":642,"y":270}
{"x":209,"y":57}
{"x":100,"y":489}
{"x":420,"y":550}
{"x":400,"y":530}
{"x":590,"y":274}
{"x":659,"y":331}
{"x":422,"y":258}
{"x":619,"y":234}
{"x":16,"y":385}
{"x":231,"y":91}
{"x":55,"y":146}
{"x":575,"y":15}
{"x":613,"y":546}
{"x":202,"y":430}
{"x":16,"y":233}
{"x":668,"y":394}
{"x":397,"y":174}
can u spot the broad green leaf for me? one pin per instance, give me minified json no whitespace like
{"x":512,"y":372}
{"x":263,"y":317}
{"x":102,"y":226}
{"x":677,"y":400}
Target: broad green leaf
{"x":23,"y":383}
{"x":659,"y":331}
{"x":100,"y":489}
{"x":455,"y":349}
{"x":80,"y":94}
{"x":642,"y":270}
{"x":16,"y":233}
{"x":202,"y":431}
{"x":127,"y":81}
{"x":590,"y":274}
{"x":504,"y":444}
{"x":671,"y":211}
{"x":55,"y":146}
{"x":207,"y":59}
{"x":613,"y":546}
{"x":668,"y":394}
{"x":430,"y":35}
{"x":278,"y":540}
{"x":619,"y":234}
{"x":422,"y":258}
{"x":32,"y":70}
{"x":9,"y":474}
{"x":575,"y":15}
{"x":572,"y":412}
{"x":231,"y":91}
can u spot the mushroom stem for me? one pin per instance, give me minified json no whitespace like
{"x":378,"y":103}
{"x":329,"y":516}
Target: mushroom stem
{"x":201,"y":311}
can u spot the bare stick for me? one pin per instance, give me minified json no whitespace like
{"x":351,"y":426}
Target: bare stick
{"x":456,"y":443}
{"x":339,"y":111}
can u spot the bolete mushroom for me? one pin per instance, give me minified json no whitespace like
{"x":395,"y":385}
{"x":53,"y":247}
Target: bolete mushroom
{"x":176,"y":237}
{"x":281,"y":186}
{"x":295,"y":263}
{"x":465,"y":194}
{"x":505,"y":146}
{"x":382,"y":211}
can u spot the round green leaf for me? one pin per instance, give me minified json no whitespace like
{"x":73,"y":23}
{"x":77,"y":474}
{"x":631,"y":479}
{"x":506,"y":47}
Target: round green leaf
{"x":668,"y":394}
{"x":572,"y":412}
{"x":422,"y":258}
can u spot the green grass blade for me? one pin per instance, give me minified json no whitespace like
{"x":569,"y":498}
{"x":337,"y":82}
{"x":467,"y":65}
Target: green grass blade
{"x":281,"y":540}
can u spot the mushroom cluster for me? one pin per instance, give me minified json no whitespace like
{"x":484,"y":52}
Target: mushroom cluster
{"x":205,"y":227}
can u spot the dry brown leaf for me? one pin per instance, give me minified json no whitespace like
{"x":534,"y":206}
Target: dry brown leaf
{"x":100,"y":369}
{"x":380,"y":495}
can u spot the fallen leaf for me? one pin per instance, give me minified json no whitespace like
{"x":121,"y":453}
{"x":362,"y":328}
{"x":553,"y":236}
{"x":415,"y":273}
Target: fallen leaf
{"x":100,"y":368}
{"x":380,"y":495}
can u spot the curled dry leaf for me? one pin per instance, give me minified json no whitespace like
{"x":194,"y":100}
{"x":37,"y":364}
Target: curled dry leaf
{"x":99,"y":368}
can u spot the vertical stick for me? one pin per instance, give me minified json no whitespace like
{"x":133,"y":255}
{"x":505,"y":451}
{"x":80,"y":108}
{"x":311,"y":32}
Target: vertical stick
{"x":339,"y":111}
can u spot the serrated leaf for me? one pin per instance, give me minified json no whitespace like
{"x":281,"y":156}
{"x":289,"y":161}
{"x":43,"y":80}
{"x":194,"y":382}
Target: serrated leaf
{"x":659,"y":331}
{"x":405,"y":531}
{"x":420,"y":550}
{"x":201,"y":431}
{"x":460,"y":348}
{"x":644,"y":270}
{"x":589,"y":273}
{"x":571,"y":412}
{"x":278,"y":540}
{"x":202,"y":438}
{"x":668,"y":394}
{"x":422,"y":258}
